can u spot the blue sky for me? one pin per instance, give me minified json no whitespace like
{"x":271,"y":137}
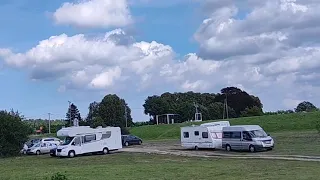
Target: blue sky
{"x":232,"y":43}
{"x":27,"y":22}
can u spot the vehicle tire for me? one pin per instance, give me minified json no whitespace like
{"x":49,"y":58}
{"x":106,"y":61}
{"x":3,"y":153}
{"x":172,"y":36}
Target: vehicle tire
{"x":126,"y":144}
{"x":105,"y":151}
{"x":38,"y":152}
{"x":196,"y":148}
{"x":228,"y":147}
{"x":71,"y":154}
{"x":140,"y":142}
{"x":252,"y":148}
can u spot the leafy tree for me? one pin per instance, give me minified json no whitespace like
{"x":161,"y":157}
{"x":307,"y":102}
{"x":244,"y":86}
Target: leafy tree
{"x":13,"y":133}
{"x":305,"y":106}
{"x":72,"y":114}
{"x":253,"y":111}
{"x":93,"y":111}
{"x":238,"y":100}
{"x":111,"y":112}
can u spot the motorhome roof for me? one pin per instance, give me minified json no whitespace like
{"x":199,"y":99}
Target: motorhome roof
{"x":76,"y":130}
{"x":242,"y":128}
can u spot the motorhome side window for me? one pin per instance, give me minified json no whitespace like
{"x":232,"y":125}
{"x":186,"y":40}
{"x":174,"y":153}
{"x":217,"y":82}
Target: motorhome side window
{"x":204,"y":134}
{"x":186,"y":134}
{"x":88,"y":138}
{"x":196,"y":133}
{"x":106,"y":135}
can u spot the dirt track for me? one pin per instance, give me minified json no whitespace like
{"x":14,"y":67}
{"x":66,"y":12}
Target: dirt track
{"x":174,"y":148}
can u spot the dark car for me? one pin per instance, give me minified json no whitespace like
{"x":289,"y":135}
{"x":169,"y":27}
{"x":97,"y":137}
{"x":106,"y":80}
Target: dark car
{"x":53,"y":152}
{"x":130,"y":140}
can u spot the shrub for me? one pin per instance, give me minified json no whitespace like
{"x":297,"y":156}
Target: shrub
{"x":318,"y":125}
{"x":59,"y":176}
{"x":13,"y":133}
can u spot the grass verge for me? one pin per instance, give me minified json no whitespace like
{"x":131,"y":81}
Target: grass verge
{"x":142,"y":166}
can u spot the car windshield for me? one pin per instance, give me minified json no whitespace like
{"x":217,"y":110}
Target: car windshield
{"x":67,"y":140}
{"x":258,"y":133}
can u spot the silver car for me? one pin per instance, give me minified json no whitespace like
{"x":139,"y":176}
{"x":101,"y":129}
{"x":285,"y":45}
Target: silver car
{"x":246,"y":137}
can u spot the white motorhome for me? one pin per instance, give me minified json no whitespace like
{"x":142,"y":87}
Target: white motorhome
{"x":207,"y":135}
{"x":83,"y":139}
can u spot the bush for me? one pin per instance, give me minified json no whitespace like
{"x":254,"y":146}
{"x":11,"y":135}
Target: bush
{"x":318,"y":125}
{"x":59,"y":176}
{"x":13,"y":133}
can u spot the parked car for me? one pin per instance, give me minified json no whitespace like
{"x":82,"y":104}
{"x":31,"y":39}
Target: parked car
{"x":128,"y":140}
{"x":53,"y":152}
{"x":41,"y":148}
{"x":32,"y":142}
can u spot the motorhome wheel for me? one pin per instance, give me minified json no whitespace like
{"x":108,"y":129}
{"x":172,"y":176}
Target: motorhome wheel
{"x":71,"y":154}
{"x":105,"y":151}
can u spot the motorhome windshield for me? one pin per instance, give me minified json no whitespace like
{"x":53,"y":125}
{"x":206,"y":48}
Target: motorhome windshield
{"x":67,"y":140}
{"x":258,"y":133}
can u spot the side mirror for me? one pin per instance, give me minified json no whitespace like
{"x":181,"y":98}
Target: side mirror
{"x":73,"y":143}
{"x":268,"y":134}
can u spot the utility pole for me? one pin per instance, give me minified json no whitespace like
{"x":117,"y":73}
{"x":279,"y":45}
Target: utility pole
{"x":49,"y":123}
{"x":125,"y":115}
{"x":69,"y":110}
{"x":225,"y":107}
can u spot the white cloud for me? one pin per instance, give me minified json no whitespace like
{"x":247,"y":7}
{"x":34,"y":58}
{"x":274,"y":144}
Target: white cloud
{"x":271,"y":51}
{"x":94,"y":13}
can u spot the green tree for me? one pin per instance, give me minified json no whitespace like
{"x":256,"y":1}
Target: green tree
{"x":306,"y":106}
{"x":13,"y":133}
{"x":253,"y":111}
{"x":93,"y":111}
{"x":72,"y":114}
{"x":112,"y":111}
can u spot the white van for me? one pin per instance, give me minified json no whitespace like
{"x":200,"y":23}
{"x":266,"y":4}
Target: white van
{"x":207,"y":135}
{"x":83,"y":139}
{"x":246,"y":137}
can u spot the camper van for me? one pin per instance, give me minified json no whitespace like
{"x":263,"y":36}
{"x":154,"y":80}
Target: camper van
{"x":83,"y":139}
{"x":246,"y":137}
{"x":207,"y":135}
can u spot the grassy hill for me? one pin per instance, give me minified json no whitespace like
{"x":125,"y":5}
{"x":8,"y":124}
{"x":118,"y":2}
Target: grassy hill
{"x":271,"y":123}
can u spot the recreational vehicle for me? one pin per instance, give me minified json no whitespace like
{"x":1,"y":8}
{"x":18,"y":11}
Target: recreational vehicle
{"x":83,"y":139}
{"x":246,"y":137}
{"x":207,"y":135}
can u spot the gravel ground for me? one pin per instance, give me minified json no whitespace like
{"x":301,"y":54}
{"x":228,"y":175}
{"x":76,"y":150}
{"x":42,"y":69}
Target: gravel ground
{"x":173,"y":147}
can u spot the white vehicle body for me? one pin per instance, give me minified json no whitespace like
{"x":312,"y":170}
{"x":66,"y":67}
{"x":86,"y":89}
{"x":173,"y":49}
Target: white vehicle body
{"x":246,"y":137}
{"x":45,"y":143}
{"x":83,"y":139}
{"x":207,"y":135}
{"x":41,"y":148}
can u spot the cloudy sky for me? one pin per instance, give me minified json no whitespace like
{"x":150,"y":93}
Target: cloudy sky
{"x":52,"y":52}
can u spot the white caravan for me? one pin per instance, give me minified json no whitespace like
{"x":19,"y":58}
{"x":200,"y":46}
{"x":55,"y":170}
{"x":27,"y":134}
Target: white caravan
{"x":83,"y":139}
{"x":207,"y":135}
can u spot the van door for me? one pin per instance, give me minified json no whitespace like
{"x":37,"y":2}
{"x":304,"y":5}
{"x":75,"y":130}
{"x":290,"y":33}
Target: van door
{"x":77,"y":145}
{"x":246,"y":140}
{"x":236,"y":140}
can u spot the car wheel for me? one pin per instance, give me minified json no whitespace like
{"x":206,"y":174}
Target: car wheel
{"x":252,"y":148}
{"x":228,"y":147}
{"x":196,"y":148}
{"x":105,"y":151}
{"x":38,"y":152}
{"x":71,"y":154}
{"x":140,"y":142}
{"x":126,"y":144}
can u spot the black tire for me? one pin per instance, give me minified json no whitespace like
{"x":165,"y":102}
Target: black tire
{"x":140,"y":142}
{"x":196,"y":148}
{"x":126,"y":144}
{"x":105,"y":151}
{"x":228,"y":147}
{"x":252,"y":148}
{"x":71,"y":154}
{"x":38,"y":152}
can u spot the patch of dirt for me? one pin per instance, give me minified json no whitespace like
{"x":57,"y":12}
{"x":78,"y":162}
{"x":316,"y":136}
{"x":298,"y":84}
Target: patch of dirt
{"x":173,"y":147}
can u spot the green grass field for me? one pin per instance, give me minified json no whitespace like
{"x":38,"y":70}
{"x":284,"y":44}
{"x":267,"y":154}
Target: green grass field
{"x":271,"y":124}
{"x":141,"y":166}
